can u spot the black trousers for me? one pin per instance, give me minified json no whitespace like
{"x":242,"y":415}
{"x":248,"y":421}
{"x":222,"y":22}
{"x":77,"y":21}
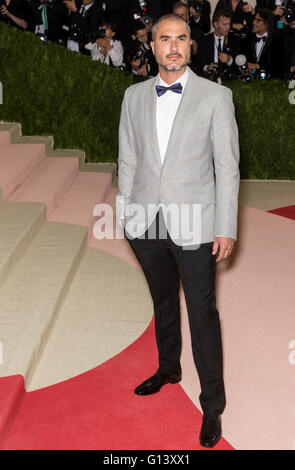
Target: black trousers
{"x":164,"y":263}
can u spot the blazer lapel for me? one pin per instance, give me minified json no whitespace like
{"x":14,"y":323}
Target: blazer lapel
{"x":150,"y":104}
{"x":180,"y":118}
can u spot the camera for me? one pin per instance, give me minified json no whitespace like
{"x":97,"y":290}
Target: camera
{"x":289,"y":13}
{"x":138,"y":51}
{"x":100,"y":34}
{"x":196,"y":5}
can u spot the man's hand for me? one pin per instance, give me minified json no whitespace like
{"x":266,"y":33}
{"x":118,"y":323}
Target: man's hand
{"x":279,"y":11}
{"x":292,"y":68}
{"x":248,"y":9}
{"x":71,"y":5}
{"x":224,"y":246}
{"x":142,"y":71}
{"x":238,"y":26}
{"x":211,"y":67}
{"x":224,"y":58}
{"x":252,"y":66}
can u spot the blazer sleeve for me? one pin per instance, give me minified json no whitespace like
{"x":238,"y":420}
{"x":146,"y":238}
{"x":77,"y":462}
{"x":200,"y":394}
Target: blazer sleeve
{"x":225,"y":141}
{"x":127,"y":159}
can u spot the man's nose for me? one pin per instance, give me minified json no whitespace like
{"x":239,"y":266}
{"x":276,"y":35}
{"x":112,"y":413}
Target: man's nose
{"x":174,"y":45}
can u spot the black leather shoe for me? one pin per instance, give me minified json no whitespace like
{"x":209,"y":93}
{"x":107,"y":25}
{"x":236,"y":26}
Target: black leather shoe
{"x":156,"y":382}
{"x":211,"y":431}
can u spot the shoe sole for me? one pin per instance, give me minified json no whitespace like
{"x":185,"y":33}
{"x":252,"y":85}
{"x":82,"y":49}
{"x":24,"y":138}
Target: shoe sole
{"x":157,"y":391}
{"x":211,"y":447}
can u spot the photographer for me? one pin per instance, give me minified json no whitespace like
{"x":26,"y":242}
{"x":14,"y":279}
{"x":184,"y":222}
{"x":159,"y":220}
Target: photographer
{"x":47,"y":18}
{"x":107,"y":49}
{"x":182,"y":10}
{"x":261,"y":45}
{"x":136,"y":62}
{"x":217,"y":50}
{"x":199,"y":18}
{"x":15,"y":13}
{"x":84,"y":17}
{"x":140,"y":39}
{"x":241,"y":13}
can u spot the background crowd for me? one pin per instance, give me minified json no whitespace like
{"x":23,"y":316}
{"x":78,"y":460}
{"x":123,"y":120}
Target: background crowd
{"x":244,"y":41}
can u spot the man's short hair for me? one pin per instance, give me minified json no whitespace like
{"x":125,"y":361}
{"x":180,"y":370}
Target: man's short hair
{"x":219,"y":13}
{"x":136,"y":26}
{"x":267,"y":17}
{"x":172,"y":17}
{"x":180,"y":5}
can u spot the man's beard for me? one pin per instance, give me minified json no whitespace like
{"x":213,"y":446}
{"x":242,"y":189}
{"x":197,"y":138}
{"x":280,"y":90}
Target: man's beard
{"x":173,"y":68}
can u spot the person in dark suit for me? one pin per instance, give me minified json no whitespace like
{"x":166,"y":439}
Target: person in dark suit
{"x":261,"y":46}
{"x":85,"y":17}
{"x":199,"y":22}
{"x":241,"y":13}
{"x":218,"y":48}
{"x":56,"y":17}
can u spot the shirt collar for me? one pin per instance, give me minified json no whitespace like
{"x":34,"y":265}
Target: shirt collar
{"x":263,"y":36}
{"x":182,"y":79}
{"x":218,"y":37}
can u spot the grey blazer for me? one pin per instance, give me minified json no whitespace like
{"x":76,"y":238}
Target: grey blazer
{"x":201,"y":164}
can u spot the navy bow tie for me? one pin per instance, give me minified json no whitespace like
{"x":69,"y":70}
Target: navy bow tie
{"x":177,"y":88}
{"x":257,"y":39}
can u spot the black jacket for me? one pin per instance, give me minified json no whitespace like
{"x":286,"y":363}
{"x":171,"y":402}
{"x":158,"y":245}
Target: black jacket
{"x":205,"y":53}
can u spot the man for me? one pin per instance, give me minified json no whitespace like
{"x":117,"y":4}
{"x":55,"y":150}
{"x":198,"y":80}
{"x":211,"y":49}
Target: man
{"x":181,"y":9}
{"x":140,"y":40}
{"x":47,"y":19}
{"x":84,"y":17}
{"x":200,"y":20}
{"x":170,"y":141}
{"x":261,"y":46}
{"x":220,"y":47}
{"x":241,"y":13}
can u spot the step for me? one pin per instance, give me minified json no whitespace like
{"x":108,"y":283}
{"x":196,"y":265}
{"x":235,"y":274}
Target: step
{"x":33,"y":293}
{"x":18,"y":225}
{"x":48,"y":182}
{"x":107,"y":308}
{"x":5,"y":138}
{"x":17,"y":161}
{"x":77,"y":205}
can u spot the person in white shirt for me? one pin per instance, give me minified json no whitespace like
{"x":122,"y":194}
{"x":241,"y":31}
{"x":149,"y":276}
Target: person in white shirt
{"x":107,"y":49}
{"x":178,"y":145}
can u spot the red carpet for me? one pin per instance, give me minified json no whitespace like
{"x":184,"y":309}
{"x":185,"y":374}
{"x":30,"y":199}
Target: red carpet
{"x":288,"y":212}
{"x":98,"y":409}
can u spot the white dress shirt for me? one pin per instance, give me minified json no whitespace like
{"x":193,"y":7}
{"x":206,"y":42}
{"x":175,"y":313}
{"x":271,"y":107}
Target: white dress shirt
{"x":216,"y":42}
{"x":167,"y":106}
{"x":260,"y":45}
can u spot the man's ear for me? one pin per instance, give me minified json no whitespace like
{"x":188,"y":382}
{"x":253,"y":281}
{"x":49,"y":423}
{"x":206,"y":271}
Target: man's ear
{"x":153,"y":46}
